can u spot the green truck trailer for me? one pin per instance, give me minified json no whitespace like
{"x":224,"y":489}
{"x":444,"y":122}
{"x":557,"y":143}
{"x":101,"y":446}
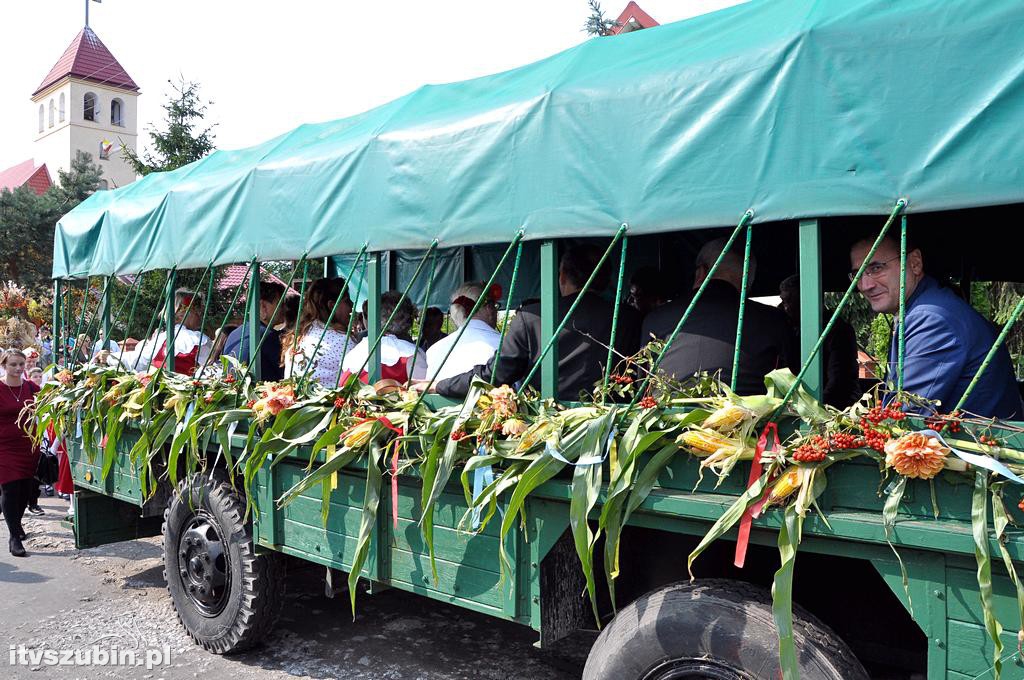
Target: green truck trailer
{"x":801,"y":124}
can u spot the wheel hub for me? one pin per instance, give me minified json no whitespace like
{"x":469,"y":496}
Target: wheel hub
{"x":202,"y":565}
{"x":695,"y":669}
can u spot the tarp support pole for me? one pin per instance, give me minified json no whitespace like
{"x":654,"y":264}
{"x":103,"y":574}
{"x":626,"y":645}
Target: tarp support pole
{"x":744,"y":285}
{"x":615,"y":312}
{"x":351,"y":316}
{"x":423,"y":314}
{"x":1014,"y":316}
{"x":137,"y":285}
{"x":108,"y":299}
{"x":55,"y":336}
{"x":252,"y":314}
{"x":298,"y":316}
{"x":373,"y":321}
{"x":810,"y":302}
{"x":901,"y":346}
{"x":172,"y":279}
{"x":549,"y":297}
{"x":508,"y":306}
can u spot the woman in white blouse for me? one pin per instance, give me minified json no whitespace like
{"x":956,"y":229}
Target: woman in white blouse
{"x":316,"y":322}
{"x":396,"y":352}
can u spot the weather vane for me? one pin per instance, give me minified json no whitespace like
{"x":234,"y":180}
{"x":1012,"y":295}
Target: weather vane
{"x":87,"y":11}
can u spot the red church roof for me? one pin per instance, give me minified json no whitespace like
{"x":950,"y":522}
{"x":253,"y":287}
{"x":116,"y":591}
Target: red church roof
{"x":89,"y":59}
{"x":633,"y":19}
{"x":26,"y":174}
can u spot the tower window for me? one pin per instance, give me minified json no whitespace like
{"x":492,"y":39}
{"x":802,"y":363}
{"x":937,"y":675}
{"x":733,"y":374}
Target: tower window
{"x":53,"y":108}
{"x":117,"y":113}
{"x":42,"y":115}
{"x":60,"y":108}
{"x":89,"y":110}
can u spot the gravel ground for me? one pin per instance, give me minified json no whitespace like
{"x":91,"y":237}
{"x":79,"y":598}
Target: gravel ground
{"x":114,"y":597}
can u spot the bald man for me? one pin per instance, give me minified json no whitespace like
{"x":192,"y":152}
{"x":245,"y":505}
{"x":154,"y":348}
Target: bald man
{"x":708,"y":340}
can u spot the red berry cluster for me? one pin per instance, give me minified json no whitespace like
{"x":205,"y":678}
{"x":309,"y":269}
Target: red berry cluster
{"x":250,"y":403}
{"x":988,"y":440}
{"x":229,"y":379}
{"x":1021,"y":504}
{"x":648,"y":402}
{"x":360,"y":413}
{"x":878,"y":414}
{"x":940,"y":423}
{"x":458,"y":435}
{"x":844,"y":440}
{"x":339,"y":402}
{"x":875,"y":439}
{"x":496,"y":427}
{"x":621,"y":379}
{"x":197,"y":383}
{"x":813,"y":451}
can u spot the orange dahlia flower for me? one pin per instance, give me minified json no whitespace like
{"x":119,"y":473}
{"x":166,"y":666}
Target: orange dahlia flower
{"x":916,"y":455}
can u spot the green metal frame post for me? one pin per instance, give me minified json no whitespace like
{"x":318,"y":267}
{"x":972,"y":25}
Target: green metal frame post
{"x":108,"y":299}
{"x":549,"y":316}
{"x":252,"y":303}
{"x":810,"y":301}
{"x":172,"y":279}
{"x":373,"y":320}
{"x":58,"y":320}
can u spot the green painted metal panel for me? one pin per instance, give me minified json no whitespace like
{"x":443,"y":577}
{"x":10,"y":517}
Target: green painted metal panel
{"x":970,"y":652}
{"x":549,"y":295}
{"x":810,"y":301}
{"x":962,"y":592}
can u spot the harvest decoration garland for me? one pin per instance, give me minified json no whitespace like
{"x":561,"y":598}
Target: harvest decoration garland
{"x":508,"y":445}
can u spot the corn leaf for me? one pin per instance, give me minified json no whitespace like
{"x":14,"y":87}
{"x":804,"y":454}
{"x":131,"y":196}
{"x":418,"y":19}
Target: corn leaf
{"x":371,"y":503}
{"x":979,"y":527}
{"x":782,"y":592}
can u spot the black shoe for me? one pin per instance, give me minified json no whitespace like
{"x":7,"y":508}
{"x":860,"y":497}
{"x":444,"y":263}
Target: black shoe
{"x":17,"y":549}
{"x":36,"y":510}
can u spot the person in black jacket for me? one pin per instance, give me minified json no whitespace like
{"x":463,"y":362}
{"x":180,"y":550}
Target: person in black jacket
{"x":237,"y":344}
{"x":708,"y":339}
{"x":582,"y":344}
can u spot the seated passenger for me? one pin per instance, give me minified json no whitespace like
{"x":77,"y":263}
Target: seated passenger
{"x":431,"y":324}
{"x":946,"y":339}
{"x":838,"y":354}
{"x":478,"y":341}
{"x":191,"y":346}
{"x":315,"y":323}
{"x":582,"y":344}
{"x":647,"y":290}
{"x":395,"y":353}
{"x":708,"y":339}
{"x":237,"y":343}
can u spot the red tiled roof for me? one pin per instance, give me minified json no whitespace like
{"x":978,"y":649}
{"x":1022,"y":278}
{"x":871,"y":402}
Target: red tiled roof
{"x":26,"y":174}
{"x":236,"y":273}
{"x":633,"y":13}
{"x":89,"y":59}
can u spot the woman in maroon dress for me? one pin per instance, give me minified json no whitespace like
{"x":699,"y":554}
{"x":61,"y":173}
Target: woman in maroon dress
{"x":18,"y":458}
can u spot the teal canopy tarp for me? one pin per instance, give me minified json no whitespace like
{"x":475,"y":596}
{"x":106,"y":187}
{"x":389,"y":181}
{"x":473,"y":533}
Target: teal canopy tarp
{"x":794,"y":108}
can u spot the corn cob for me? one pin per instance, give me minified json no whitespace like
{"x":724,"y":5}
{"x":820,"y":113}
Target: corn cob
{"x":727,"y":418}
{"x":704,"y":442}
{"x":535,"y":434}
{"x":358,"y":435}
{"x":785,"y":486}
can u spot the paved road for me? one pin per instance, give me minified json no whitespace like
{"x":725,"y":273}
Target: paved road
{"x":114,"y":597}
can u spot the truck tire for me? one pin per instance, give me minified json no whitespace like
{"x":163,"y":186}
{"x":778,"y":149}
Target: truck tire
{"x":713,"y":629}
{"x":226,"y":596}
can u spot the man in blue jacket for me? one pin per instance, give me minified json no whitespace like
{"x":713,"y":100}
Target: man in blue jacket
{"x":946,"y":339}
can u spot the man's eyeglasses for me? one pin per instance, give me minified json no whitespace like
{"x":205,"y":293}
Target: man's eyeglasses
{"x":874,"y":270}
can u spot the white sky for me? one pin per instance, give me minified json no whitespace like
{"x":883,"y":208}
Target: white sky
{"x":269,"y":66}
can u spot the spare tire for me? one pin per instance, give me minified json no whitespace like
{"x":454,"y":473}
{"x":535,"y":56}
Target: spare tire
{"x":713,"y":629}
{"x":226,"y":596}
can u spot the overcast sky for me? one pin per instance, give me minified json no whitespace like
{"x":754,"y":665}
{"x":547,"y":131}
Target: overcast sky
{"x":269,"y":66}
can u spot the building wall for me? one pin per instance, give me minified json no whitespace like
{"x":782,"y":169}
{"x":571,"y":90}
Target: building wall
{"x":56,"y":146}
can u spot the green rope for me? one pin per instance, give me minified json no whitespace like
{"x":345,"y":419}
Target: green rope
{"x":227,"y":315}
{"x":254,"y":352}
{"x":169,"y":344}
{"x":162,"y":300}
{"x":391,"y":317}
{"x":615,"y":314}
{"x":508,"y":305}
{"x":298,"y":317}
{"x":901,"y":347}
{"x":341,"y":296}
{"x":351,"y":318}
{"x":1014,"y":316}
{"x":131,"y":314}
{"x":476,"y":308}
{"x":742,"y":311}
{"x":423,"y":314}
{"x":747,"y":216}
{"x":897,"y":209}
{"x":572,"y":308}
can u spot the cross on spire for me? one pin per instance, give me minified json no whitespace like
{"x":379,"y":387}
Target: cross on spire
{"x":87,"y":11}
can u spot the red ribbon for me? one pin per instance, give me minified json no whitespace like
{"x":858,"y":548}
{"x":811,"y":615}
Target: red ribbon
{"x":394,"y":467}
{"x":752,"y":511}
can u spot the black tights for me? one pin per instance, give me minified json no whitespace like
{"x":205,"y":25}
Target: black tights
{"x":16,"y":497}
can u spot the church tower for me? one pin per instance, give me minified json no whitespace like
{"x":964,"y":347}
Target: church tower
{"x":87,"y":102}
